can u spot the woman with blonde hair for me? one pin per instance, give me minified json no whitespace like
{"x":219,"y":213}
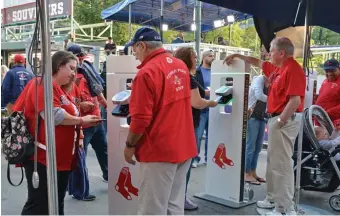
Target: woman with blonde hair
{"x":4,"y":70}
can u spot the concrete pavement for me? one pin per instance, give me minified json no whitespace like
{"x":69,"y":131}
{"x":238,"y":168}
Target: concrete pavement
{"x":13,"y":198}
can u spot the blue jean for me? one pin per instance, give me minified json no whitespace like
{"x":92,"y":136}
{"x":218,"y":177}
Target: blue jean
{"x":204,"y":125}
{"x":96,"y":135}
{"x":255,"y":134}
{"x":104,"y":116}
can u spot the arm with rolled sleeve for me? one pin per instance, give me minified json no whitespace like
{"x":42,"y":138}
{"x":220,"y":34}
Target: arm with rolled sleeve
{"x":6,"y":89}
{"x":268,"y":68}
{"x":257,"y":85}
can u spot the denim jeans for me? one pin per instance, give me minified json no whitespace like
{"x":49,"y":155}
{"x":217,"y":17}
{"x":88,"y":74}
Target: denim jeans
{"x":96,"y":135}
{"x":204,"y":125}
{"x":104,"y":116}
{"x":255,"y":134}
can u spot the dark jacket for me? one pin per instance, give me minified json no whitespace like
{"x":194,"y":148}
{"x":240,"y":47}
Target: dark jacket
{"x":196,"y":112}
{"x":13,"y":84}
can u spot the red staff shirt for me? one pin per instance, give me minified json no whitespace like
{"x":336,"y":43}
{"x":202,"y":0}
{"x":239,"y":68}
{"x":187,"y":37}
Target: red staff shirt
{"x":288,"y":80}
{"x":64,"y":134}
{"x":160,"y":110}
{"x":329,"y":98}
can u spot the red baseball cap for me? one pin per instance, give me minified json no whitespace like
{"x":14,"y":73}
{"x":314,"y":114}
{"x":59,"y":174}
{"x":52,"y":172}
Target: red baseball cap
{"x":19,"y":59}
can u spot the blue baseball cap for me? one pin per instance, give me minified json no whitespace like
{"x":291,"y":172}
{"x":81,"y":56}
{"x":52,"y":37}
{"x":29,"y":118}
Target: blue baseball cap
{"x":144,"y":34}
{"x":331,"y":64}
{"x":76,"y":50}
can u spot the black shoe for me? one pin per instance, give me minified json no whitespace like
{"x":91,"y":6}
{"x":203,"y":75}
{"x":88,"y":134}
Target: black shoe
{"x":90,"y":197}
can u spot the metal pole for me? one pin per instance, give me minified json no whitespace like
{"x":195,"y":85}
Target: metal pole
{"x":307,"y":37}
{"x":198,"y":13}
{"x":72,"y":23}
{"x":130,"y":30}
{"x":299,"y":153}
{"x":161,"y":21}
{"x":52,"y":184}
{"x":230,"y":26}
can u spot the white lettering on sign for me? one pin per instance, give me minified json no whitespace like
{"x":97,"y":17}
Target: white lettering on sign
{"x":55,"y":9}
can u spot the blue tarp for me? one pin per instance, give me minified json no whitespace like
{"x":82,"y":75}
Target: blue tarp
{"x":325,"y":13}
{"x":178,"y":14}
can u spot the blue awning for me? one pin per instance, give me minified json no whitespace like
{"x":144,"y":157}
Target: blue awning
{"x":178,"y":14}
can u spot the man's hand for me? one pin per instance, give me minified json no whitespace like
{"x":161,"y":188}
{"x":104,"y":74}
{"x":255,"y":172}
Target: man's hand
{"x":229,"y":59}
{"x":86,"y":106}
{"x":128,"y":154}
{"x":282,"y":122}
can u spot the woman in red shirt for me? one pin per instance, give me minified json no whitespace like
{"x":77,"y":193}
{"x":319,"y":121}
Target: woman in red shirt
{"x":66,"y":117}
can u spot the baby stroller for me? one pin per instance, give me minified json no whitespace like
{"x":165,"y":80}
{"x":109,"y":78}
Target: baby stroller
{"x":319,"y":170}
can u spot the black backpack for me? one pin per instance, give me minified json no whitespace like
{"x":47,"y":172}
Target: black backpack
{"x":16,"y":141}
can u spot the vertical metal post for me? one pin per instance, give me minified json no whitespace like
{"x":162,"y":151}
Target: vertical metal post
{"x":72,"y":22}
{"x":305,"y":57}
{"x":230,"y":27}
{"x":111,"y":28}
{"x":161,"y":20}
{"x":130,"y":30}
{"x":96,"y":62}
{"x":52,"y":184}
{"x":198,"y":13}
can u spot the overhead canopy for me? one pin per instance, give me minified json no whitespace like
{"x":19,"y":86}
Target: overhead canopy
{"x":178,"y":14}
{"x":324,"y":13}
{"x":272,"y":16}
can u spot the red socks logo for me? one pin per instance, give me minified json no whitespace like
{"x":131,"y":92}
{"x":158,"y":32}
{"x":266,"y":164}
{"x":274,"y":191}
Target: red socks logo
{"x":220,"y":157}
{"x":124,"y":185}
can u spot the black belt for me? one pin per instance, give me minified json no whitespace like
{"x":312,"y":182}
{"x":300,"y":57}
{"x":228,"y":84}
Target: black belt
{"x":272,"y":115}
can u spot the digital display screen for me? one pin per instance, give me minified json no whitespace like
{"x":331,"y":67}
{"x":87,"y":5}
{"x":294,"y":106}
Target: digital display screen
{"x":121,"y":95}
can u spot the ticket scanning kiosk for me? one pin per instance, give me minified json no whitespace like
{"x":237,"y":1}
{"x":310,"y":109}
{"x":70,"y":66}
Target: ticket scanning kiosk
{"x":123,"y":181}
{"x":224,"y":182}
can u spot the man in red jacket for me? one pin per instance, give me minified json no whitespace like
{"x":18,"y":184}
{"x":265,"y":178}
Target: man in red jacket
{"x":329,"y":95}
{"x":161,"y":134}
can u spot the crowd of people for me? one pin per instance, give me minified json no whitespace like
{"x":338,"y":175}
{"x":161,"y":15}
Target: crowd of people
{"x":171,"y":88}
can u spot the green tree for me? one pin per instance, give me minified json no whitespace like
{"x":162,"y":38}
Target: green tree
{"x":88,"y":12}
{"x":323,"y":36}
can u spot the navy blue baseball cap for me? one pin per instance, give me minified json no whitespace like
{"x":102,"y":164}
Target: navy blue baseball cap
{"x":331,"y":64}
{"x":144,"y":34}
{"x":76,"y":50}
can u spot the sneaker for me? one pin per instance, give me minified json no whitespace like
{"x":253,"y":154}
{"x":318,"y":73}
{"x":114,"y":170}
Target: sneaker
{"x":266,"y":204}
{"x":88,"y":198}
{"x":104,"y":180}
{"x":274,"y":212}
{"x":189,"y":205}
{"x":194,"y":164}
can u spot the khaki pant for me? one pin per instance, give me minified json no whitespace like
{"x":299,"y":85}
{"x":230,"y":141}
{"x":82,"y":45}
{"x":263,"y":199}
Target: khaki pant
{"x":162,"y":188}
{"x":280,"y":174}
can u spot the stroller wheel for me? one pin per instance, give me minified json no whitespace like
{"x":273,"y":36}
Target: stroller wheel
{"x":334,"y":202}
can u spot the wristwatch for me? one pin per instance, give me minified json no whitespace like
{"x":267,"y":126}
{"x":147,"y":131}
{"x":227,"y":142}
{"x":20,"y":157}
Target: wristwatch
{"x":128,"y":145}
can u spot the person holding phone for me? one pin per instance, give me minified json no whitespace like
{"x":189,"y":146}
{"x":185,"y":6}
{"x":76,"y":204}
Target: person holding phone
{"x":96,"y":135}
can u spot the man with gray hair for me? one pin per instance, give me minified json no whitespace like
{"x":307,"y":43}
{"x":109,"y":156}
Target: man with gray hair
{"x":161,"y":134}
{"x":285,"y":102}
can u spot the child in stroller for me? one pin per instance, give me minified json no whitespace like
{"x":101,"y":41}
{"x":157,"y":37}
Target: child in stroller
{"x":328,"y":142}
{"x":319,"y":169}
